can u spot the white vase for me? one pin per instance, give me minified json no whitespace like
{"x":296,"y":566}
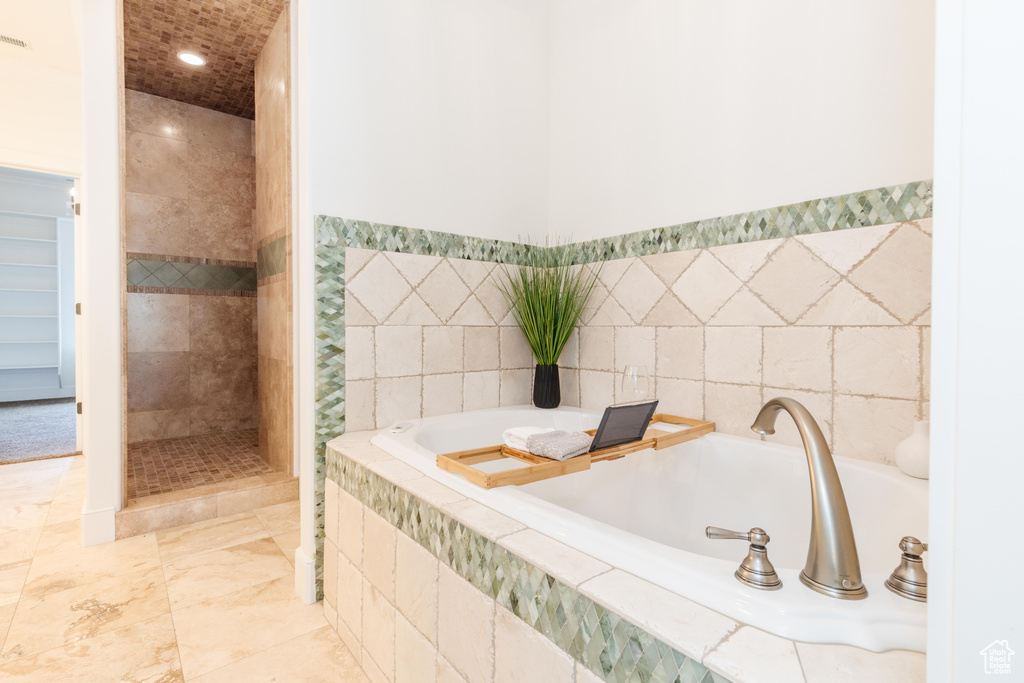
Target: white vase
{"x":912,"y":452}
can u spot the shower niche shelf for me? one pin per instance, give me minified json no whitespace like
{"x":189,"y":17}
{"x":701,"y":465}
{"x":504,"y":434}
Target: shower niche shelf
{"x":529,"y":468}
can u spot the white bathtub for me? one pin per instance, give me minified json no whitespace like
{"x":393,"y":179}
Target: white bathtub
{"x":646,"y":514}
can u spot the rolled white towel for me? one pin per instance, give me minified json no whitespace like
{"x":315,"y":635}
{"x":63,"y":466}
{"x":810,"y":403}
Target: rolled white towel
{"x":516,"y":436}
{"x":558,"y":444}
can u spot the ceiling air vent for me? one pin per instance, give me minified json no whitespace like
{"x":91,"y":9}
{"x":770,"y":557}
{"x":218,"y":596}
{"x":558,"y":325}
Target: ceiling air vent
{"x":8,"y":40}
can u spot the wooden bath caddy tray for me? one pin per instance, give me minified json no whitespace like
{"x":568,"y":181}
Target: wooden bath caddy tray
{"x":538,"y":468}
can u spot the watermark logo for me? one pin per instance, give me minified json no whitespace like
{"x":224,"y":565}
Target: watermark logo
{"x":996,"y":657}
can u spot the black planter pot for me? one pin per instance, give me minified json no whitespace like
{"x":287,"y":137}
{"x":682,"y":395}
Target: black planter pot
{"x":546,"y":393}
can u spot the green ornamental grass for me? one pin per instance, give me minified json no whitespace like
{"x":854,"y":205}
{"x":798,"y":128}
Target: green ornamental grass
{"x":547,"y":296}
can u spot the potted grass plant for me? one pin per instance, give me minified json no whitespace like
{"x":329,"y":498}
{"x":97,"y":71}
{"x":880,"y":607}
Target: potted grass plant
{"x":547,"y":295}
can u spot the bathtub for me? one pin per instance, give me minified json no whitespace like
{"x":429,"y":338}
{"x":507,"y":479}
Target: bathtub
{"x":646,"y":515}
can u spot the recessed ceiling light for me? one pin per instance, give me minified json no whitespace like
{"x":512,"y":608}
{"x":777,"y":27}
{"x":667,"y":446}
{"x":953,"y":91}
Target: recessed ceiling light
{"x":191,"y":58}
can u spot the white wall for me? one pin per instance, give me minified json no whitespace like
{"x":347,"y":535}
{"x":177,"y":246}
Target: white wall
{"x":665,"y":111}
{"x":977,"y":471}
{"x":430,"y":114}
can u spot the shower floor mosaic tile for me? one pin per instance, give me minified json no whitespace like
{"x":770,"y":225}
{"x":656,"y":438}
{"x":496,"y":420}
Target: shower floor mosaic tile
{"x":189,"y":461}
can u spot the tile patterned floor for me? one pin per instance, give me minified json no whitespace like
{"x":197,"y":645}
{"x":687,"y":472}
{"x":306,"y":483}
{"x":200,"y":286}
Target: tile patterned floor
{"x":210,"y":602}
{"x":189,"y":461}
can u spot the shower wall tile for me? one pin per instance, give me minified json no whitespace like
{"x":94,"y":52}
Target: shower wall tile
{"x":157,"y":380}
{"x":145,"y":113}
{"x":156,"y":165}
{"x":151,"y":425}
{"x":216,"y":175}
{"x":220,"y":230}
{"x":216,"y":130}
{"x":220,"y":324}
{"x":158,"y":322}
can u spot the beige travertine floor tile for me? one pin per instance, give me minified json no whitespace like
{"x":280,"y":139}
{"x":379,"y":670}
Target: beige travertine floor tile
{"x":211,"y":534}
{"x":57,"y":618}
{"x":81,"y":566}
{"x":12,"y":578}
{"x":19,"y":545}
{"x":62,"y":536}
{"x":6,"y":615}
{"x":18,"y":512}
{"x":279,"y":517}
{"x":316,"y":656}
{"x":217,"y":632}
{"x":287,"y":541}
{"x":142,"y":652}
{"x":208,"y":575}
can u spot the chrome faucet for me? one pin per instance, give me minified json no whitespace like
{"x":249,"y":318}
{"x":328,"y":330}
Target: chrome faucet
{"x":832,"y":567}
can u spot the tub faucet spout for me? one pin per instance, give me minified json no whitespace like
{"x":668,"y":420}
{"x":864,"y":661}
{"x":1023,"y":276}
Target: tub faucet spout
{"x":833,"y":567}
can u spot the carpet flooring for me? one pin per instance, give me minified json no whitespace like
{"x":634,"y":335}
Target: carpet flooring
{"x":32,"y":430}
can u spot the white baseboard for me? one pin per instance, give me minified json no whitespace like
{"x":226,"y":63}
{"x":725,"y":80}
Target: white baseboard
{"x":97,"y":527}
{"x":36,"y":394}
{"x":305,"y":576}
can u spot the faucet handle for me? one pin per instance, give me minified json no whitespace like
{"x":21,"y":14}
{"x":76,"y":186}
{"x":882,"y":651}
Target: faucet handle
{"x":910,"y":580}
{"x":911,"y":546}
{"x":756,"y":570}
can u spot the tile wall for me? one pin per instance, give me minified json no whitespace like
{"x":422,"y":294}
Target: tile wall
{"x":273,"y":242}
{"x":191,"y":340}
{"x":427,"y":336}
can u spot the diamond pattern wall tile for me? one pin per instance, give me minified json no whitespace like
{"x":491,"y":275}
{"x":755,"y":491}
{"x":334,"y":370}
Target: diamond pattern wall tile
{"x":638,"y":290}
{"x":792,"y":280}
{"x":444,"y":291}
{"x":380,"y":288}
{"x":898,"y":274}
{"x":705,"y":286}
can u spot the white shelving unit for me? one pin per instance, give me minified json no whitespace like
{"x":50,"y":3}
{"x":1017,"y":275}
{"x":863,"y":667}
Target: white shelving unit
{"x":33,"y":307}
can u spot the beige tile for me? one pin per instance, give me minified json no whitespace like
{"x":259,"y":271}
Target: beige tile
{"x":473,"y":273}
{"x":878,"y":361}
{"x":356,"y":314}
{"x":19,"y":545}
{"x":415,"y":657}
{"x":523,"y":655}
{"x":133,"y":521}
{"x":610,"y":313}
{"x":798,"y":358}
{"x":669,"y":312}
{"x":399,"y":351}
{"x":446,"y":673}
{"x":442,"y":350}
{"x":844,"y":249}
{"x":870,"y":428}
{"x":846,"y":305}
{"x":898,"y":273}
{"x":480,"y":389}
{"x":213,"y":534}
{"x":330,"y":577}
{"x":398,"y":399}
{"x":272,"y":314}
{"x":350,"y":600}
{"x":145,"y":113}
{"x":732,"y":354}
{"x":215,"y":129}
{"x":638,"y":290}
{"x":12,"y":578}
{"x":379,"y":630}
{"x":112,"y":656}
{"x":58,"y":617}
{"x":379,"y":287}
{"x":379,"y":554}
{"x":750,"y":654}
{"x":157,"y":381}
{"x":443,"y":291}
{"x":315,"y":656}
{"x":210,"y":575}
{"x":350,"y":527}
{"x":158,"y":424}
{"x":515,"y":350}
{"x":688,"y":627}
{"x":416,"y":586}
{"x":472,"y":313}
{"x":156,"y":165}
{"x":413,"y":267}
{"x":394,"y":471}
{"x":612,"y":271}
{"x":220,"y":324}
{"x":442,"y":394}
{"x":597,"y":389}
{"x":597,"y":348}
{"x":359,"y":350}
{"x":78,"y":567}
{"x":732,"y":407}
{"x":568,"y":564}
{"x":221,"y":230}
{"x":288,"y":541}
{"x":61,"y":536}
{"x":570,"y":357}
{"x":330,"y":511}
{"x":465,"y":634}
{"x":234,"y":502}
{"x":705,"y":286}
{"x":844,"y":664}
{"x":683,"y":397}
{"x":490,"y":299}
{"x":6,"y":615}
{"x":222,"y":630}
{"x":670,"y":266}
{"x":220,"y":176}
{"x":483,"y":519}
{"x":21,"y":512}
{"x":156,"y":224}
{"x":570,"y":381}
{"x":516,"y":387}
{"x":481,"y":348}
{"x":360,"y":396}
{"x":926,"y":362}
{"x":634,"y":346}
{"x":680,"y":353}
{"x":279,"y":517}
{"x":792,"y":280}
{"x":413,"y":311}
{"x":432,"y":491}
{"x":746,"y":258}
{"x":745,"y":308}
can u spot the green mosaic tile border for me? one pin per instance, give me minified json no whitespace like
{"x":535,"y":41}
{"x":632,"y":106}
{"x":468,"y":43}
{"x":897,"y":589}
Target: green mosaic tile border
{"x":911,"y":201}
{"x":272,"y":258}
{"x":613,"y":648}
{"x":184,"y":275}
